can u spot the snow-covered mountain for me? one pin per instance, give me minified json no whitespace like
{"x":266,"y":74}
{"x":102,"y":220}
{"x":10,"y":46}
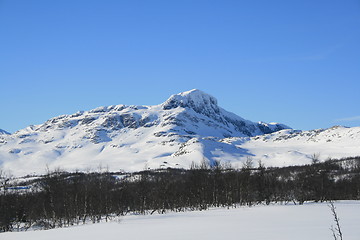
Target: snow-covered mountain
{"x":188,"y":127}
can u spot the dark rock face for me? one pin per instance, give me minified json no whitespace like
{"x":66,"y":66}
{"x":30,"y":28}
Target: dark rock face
{"x":196,"y":100}
{"x":3,"y":132}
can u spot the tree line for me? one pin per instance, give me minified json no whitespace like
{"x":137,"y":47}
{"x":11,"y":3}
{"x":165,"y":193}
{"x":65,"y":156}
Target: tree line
{"x":60,"y":199}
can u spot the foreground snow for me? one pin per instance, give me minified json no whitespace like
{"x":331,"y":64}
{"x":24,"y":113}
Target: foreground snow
{"x":280,"y":222}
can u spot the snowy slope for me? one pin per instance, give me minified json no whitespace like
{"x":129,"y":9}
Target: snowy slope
{"x":294,"y":147}
{"x":188,"y":127}
{"x":274,"y":222}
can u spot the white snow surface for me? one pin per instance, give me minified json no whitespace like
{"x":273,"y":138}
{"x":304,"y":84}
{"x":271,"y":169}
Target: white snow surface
{"x":188,"y":127}
{"x":294,"y":147}
{"x":274,"y":222}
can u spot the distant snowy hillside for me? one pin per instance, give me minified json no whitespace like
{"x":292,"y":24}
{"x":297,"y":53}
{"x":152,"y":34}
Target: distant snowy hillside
{"x":188,"y":127}
{"x":294,"y":147}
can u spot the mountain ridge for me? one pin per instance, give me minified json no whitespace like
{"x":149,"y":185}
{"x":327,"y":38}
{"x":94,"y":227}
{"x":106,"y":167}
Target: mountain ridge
{"x":188,"y":127}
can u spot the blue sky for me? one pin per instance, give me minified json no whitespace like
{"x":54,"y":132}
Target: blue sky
{"x":294,"y":62}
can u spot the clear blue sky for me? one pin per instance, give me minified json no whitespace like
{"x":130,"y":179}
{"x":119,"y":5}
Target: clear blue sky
{"x":294,"y":62}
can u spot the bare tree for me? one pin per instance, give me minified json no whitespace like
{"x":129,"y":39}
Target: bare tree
{"x":248,"y":164}
{"x":315,"y":158}
{"x":337,"y":234}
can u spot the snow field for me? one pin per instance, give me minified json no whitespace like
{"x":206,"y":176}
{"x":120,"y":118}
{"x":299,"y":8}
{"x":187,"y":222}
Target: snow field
{"x":280,"y":222}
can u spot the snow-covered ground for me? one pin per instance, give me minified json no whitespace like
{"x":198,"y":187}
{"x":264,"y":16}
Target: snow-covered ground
{"x":280,"y":222}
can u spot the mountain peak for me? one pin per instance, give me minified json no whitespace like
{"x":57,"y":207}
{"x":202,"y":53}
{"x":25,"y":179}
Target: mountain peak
{"x":197,"y":95}
{"x":198,"y":100}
